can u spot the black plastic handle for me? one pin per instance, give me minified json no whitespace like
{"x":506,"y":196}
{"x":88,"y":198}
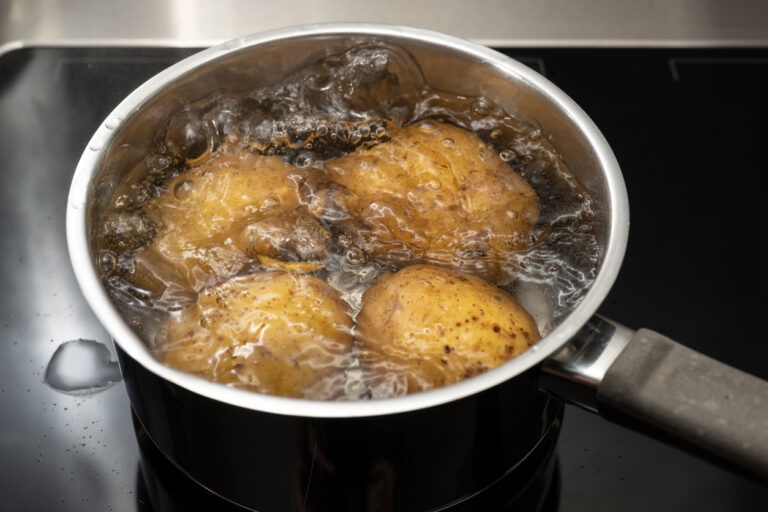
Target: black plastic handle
{"x":678,"y":395}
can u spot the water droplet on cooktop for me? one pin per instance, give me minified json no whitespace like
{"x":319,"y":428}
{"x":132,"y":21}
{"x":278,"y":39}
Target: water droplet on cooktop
{"x":81,"y":367}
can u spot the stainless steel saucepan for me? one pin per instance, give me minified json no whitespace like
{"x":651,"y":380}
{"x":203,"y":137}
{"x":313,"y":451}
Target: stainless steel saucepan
{"x":441,"y":448}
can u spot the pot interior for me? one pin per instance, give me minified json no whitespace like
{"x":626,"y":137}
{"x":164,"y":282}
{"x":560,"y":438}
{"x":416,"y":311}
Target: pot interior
{"x":446,"y":64}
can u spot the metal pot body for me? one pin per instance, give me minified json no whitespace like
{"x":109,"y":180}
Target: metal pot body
{"x":491,"y":446}
{"x":425,"y":451}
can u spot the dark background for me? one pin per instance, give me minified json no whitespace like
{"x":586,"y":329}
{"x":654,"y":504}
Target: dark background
{"x":689,"y":128}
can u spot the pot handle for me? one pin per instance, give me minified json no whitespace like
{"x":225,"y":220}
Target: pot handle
{"x":650,"y":383}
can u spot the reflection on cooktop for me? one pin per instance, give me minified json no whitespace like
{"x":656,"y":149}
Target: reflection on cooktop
{"x":687,"y":126}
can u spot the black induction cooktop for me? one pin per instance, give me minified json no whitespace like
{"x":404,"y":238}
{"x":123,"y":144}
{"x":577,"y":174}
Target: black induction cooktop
{"x":689,"y":128}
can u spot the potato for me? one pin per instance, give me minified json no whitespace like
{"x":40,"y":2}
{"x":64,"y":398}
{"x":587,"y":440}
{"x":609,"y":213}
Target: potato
{"x":433,"y":193}
{"x":223,"y":214}
{"x":273,"y":332}
{"x":426,"y":326}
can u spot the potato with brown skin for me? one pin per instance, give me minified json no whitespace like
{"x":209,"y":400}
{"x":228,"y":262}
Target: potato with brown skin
{"x":273,"y":332}
{"x":223,"y":214}
{"x":433,"y":193}
{"x":426,"y":326}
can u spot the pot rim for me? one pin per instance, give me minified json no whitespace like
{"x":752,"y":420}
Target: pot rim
{"x":97,"y":298}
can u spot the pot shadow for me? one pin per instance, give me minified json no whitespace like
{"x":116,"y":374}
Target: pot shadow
{"x":163,"y":487}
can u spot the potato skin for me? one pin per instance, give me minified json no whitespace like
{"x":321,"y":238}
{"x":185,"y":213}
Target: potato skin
{"x":224,"y":213}
{"x":435,"y":193}
{"x":273,"y":332}
{"x":427,"y":326}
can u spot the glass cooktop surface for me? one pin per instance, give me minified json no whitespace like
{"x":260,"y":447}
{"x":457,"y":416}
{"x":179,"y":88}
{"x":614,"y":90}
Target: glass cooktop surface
{"x":689,"y":128}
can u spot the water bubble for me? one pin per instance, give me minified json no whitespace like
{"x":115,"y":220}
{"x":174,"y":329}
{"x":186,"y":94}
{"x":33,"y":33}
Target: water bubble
{"x":512,"y":214}
{"x":433,"y":185}
{"x":222,"y":114}
{"x":303,"y":160}
{"x":187,"y":134}
{"x":340,"y":133}
{"x":355,"y":256}
{"x":122,"y":200}
{"x":495,"y":134}
{"x":81,"y":367}
{"x":158,"y":162}
{"x":482,"y":106}
{"x":534,"y":134}
{"x":107,"y":262}
{"x":183,"y":189}
{"x":427,"y":126}
{"x":507,"y":154}
{"x":259,"y":130}
{"x":269,"y":203}
{"x":448,"y":142}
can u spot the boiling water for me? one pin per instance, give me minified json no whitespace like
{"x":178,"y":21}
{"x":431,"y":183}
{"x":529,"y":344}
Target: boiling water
{"x":328,"y":110}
